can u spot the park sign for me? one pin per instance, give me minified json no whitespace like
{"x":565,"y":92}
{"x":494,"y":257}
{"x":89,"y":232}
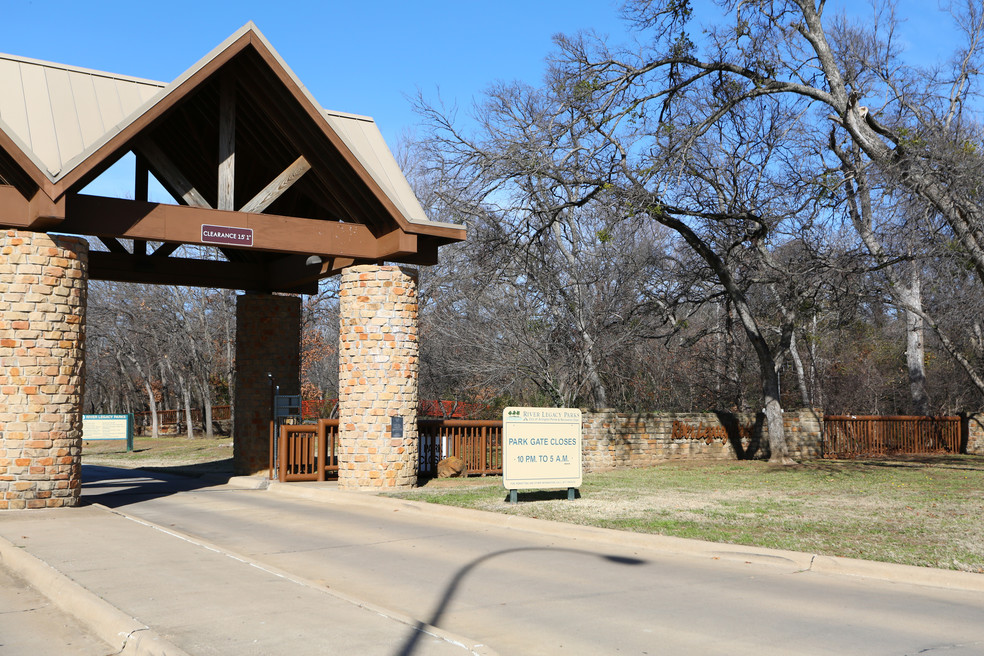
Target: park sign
{"x":108,"y":427}
{"x":541,"y":448}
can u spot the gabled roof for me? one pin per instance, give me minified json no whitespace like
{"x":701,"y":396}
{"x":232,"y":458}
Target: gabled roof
{"x":238,"y":141}
{"x":70,"y":123}
{"x":57,"y":113}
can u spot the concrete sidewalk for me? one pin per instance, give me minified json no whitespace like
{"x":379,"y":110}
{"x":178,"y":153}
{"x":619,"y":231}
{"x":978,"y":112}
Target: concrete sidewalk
{"x":144,"y":589}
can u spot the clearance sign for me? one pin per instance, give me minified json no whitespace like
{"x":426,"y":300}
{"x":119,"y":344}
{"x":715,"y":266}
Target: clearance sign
{"x":541,"y":448}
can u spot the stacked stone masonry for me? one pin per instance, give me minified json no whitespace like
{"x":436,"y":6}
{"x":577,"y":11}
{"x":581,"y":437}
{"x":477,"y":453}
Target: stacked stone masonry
{"x":973,"y":434}
{"x":614,"y":439}
{"x":377,"y":380}
{"x":268,"y":339}
{"x":43,"y":284}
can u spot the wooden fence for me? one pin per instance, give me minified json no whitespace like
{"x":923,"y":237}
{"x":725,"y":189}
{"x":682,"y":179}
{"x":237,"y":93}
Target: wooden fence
{"x":177,"y":417}
{"x":847,"y":436}
{"x":477,"y":442}
{"x":308,"y":452}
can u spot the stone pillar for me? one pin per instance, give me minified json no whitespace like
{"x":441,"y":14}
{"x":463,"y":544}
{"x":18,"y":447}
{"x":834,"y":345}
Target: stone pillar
{"x":268,"y":340}
{"x":972,"y":433}
{"x":377,"y":379}
{"x":43,"y":284}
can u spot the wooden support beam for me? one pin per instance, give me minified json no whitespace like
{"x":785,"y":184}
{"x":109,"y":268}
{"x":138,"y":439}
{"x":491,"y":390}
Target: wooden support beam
{"x":39,"y":213}
{"x":395,"y":244}
{"x":169,"y":174}
{"x":165,"y":249}
{"x":141,"y":184}
{"x":182,"y":271}
{"x":15,"y":210}
{"x":426,"y":257}
{"x":233,"y":255}
{"x":114,"y":245}
{"x":278,"y":186}
{"x":113,"y":217}
{"x":227,"y":143}
{"x":294,"y":272}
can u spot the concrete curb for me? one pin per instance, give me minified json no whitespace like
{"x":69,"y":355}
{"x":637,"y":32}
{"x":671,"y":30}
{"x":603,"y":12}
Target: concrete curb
{"x":794,"y":560}
{"x":477,"y":649}
{"x":117,"y":629}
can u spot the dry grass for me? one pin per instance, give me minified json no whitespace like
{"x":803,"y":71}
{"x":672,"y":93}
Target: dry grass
{"x":919,"y":511}
{"x":177,"y":454}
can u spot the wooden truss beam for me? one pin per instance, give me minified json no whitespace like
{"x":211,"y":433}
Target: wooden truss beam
{"x":114,"y":245}
{"x":277,"y":187}
{"x":189,"y":272}
{"x":227,"y":142}
{"x":170,"y":175}
{"x":112,"y":217}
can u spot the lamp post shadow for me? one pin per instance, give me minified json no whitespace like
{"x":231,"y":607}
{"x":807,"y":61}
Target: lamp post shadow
{"x":410,"y":646}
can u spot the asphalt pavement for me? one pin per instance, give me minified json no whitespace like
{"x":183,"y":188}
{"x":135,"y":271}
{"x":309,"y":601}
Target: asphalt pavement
{"x":157,"y":564}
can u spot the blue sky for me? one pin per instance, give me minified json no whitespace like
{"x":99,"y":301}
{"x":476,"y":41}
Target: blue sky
{"x":359,"y":57}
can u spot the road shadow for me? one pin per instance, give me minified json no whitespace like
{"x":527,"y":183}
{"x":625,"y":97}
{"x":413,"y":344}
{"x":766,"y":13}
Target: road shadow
{"x":115,"y":487}
{"x":410,"y":646}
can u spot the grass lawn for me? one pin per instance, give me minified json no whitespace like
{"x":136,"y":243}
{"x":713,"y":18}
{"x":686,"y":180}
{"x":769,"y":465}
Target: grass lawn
{"x":175,"y":454}
{"x":925,"y":511}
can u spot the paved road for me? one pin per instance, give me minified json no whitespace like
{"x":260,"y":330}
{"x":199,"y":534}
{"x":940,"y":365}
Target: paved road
{"x":526,"y":592}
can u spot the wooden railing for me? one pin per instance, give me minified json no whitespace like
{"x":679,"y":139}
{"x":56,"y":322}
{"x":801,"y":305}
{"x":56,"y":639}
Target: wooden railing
{"x":172,"y":417}
{"x":477,"y":442}
{"x":308,"y":452}
{"x":850,"y":436}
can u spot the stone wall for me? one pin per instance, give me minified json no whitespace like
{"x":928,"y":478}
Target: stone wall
{"x":617,"y":439}
{"x":377,"y":379}
{"x":268,"y":339}
{"x":43,"y":285}
{"x":973,"y":434}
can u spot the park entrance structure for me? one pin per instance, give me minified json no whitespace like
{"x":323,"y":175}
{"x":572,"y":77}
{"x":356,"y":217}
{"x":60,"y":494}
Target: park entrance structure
{"x":279,"y":192}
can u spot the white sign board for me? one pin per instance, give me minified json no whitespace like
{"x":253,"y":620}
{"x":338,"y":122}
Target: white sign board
{"x":541,"y":448}
{"x":108,"y":427}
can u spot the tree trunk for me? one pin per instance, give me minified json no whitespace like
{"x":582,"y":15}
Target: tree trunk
{"x":207,"y":409}
{"x":915,"y":354}
{"x":800,"y":372}
{"x":778,"y":451}
{"x":186,"y":393}
{"x":153,"y":408}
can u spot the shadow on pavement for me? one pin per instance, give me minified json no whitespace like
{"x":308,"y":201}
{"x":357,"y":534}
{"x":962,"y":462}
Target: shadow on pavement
{"x":410,"y":646}
{"x":116,"y":486}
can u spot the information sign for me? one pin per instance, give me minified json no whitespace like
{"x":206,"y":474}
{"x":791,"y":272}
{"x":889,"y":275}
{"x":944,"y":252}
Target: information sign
{"x":541,"y":448}
{"x":214,"y":234}
{"x":108,"y":427}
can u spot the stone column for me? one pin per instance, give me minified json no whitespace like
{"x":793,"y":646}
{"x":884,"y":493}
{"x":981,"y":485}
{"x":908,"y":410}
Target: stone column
{"x":43,"y":284}
{"x":268,"y":340}
{"x":377,"y":379}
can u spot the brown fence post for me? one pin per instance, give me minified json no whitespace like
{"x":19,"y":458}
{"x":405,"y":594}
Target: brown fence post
{"x":322,"y":449}
{"x":282,"y":468}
